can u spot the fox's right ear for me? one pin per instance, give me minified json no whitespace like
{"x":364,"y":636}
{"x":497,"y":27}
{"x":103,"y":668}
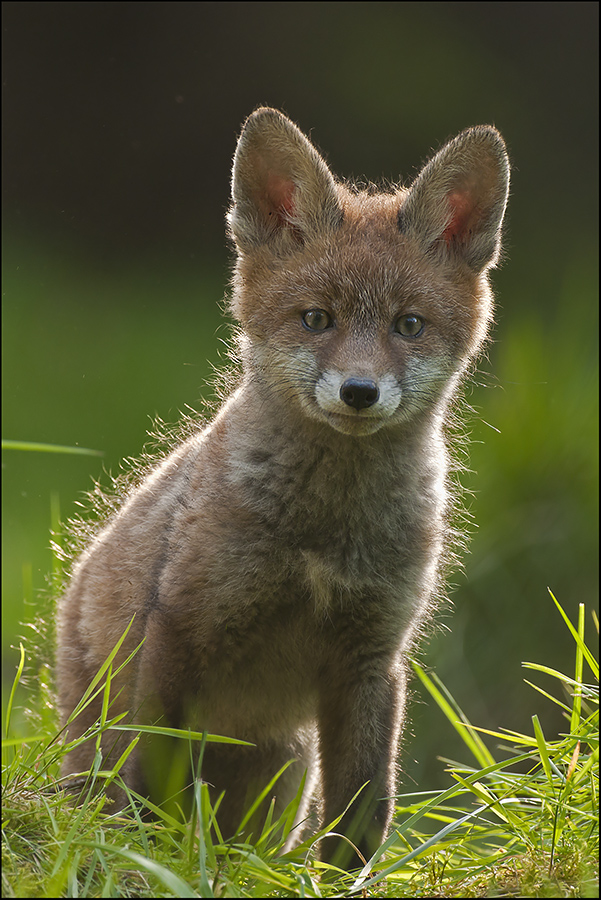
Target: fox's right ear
{"x":282,"y":191}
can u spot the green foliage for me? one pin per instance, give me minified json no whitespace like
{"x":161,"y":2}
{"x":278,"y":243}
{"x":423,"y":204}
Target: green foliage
{"x":524,"y":825}
{"x":90,"y":356}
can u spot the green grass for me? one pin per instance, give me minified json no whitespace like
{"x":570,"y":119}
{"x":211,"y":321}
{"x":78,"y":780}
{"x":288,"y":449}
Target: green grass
{"x":521,"y":823}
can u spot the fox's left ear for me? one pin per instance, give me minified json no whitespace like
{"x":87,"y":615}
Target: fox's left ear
{"x":455,"y":206}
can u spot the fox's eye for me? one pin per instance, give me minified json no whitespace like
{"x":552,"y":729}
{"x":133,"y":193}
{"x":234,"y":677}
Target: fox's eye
{"x":409,"y":325}
{"x":316,"y":319}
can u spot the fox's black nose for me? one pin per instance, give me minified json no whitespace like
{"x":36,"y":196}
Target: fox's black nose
{"x":359,"y":392}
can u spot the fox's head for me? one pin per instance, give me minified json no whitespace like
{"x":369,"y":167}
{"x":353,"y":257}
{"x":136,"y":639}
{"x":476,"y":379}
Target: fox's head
{"x":362,"y":309}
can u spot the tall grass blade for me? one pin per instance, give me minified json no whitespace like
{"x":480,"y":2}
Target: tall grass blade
{"x":49,"y":448}
{"x":452,"y":711}
{"x":168,"y":878}
{"x":13,"y":689}
{"x":594,"y":665}
{"x":577,"y":707}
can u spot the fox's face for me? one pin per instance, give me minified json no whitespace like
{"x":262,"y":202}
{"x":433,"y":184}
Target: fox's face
{"x":367,"y":375}
{"x":360,"y":331}
{"x":362,"y":309}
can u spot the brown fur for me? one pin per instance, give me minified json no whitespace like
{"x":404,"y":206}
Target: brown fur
{"x":281,"y":562}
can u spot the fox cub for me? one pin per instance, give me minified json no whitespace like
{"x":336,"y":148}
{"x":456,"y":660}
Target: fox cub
{"x":281,"y":561}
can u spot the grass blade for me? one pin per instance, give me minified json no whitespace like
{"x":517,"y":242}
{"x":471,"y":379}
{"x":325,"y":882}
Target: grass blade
{"x":49,"y":448}
{"x":452,"y":711}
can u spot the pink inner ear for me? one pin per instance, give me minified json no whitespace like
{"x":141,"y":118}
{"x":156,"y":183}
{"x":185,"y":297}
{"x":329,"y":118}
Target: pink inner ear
{"x":280,"y":192}
{"x":462,"y":215}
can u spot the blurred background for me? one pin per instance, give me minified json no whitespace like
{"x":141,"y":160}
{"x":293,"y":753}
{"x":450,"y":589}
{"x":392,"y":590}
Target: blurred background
{"x":120,"y":122}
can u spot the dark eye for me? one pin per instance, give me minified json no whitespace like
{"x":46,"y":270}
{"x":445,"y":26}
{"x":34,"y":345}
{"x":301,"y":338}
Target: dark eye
{"x":409,"y":325}
{"x":316,"y":320}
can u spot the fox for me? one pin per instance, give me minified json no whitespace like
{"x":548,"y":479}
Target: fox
{"x":279,"y":565}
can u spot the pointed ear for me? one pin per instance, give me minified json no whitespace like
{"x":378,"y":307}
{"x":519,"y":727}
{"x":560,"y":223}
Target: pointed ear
{"x":455,"y":206}
{"x":282,"y":191}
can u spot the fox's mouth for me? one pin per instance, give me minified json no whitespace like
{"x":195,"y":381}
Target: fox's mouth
{"x":354,"y":423}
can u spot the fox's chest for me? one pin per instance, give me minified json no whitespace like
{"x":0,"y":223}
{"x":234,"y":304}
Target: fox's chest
{"x":260,"y":674}
{"x":350,"y":519}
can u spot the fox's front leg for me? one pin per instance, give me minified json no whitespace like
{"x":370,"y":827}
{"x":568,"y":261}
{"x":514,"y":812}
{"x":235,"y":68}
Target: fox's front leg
{"x":360,"y":717}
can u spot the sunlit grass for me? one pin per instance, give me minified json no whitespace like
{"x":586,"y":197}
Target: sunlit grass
{"x":522,"y":822}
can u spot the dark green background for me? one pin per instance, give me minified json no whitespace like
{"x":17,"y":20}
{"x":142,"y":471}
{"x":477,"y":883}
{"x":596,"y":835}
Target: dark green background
{"x":120,"y":121}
